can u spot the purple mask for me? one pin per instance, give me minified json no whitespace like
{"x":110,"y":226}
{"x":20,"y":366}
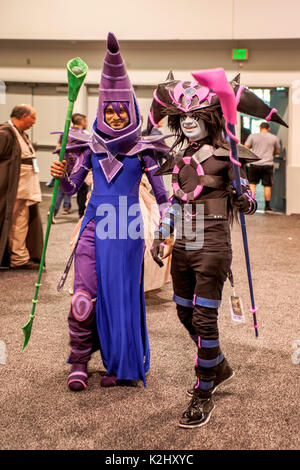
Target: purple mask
{"x":115,"y":87}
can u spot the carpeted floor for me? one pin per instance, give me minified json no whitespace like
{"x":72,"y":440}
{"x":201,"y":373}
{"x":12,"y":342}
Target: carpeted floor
{"x":259,"y":409}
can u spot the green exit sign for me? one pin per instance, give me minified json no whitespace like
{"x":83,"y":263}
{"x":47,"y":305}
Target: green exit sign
{"x":240,"y":54}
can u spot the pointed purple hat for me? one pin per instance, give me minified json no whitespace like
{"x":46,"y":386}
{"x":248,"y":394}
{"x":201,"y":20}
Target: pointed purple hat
{"x":115,"y":86}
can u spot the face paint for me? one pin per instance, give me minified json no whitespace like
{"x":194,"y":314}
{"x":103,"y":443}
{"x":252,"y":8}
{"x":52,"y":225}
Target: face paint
{"x":193,"y":129}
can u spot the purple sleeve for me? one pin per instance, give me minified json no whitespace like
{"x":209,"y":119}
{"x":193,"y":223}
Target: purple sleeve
{"x":70,"y":184}
{"x":157,"y":182}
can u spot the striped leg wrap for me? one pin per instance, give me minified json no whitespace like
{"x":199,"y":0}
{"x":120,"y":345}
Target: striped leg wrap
{"x":209,"y":356}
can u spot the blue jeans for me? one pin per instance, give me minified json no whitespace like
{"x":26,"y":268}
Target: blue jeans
{"x":67,"y":201}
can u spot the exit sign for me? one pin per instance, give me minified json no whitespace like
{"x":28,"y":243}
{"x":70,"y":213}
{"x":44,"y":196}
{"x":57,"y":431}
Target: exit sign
{"x":240,"y":54}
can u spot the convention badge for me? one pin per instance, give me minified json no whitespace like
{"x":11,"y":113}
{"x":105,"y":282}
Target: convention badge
{"x":35,"y":165}
{"x":236,"y":308}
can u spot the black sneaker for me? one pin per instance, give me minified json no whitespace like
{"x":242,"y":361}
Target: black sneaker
{"x":198,"y":412}
{"x":224,"y":375}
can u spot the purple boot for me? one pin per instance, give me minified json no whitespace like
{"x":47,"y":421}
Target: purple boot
{"x":77,"y":379}
{"x":109,"y":381}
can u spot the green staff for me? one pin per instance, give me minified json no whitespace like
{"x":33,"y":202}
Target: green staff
{"x":77,"y":71}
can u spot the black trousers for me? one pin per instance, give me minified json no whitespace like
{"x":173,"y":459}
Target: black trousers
{"x":198,"y":279}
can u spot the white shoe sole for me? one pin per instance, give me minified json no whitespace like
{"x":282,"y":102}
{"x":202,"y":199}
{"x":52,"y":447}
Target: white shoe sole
{"x":224,"y":382}
{"x":192,"y":426}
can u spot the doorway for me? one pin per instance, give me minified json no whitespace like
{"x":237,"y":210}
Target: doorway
{"x":275,"y":98}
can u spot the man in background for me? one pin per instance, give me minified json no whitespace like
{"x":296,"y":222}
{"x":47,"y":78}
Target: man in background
{"x":21,"y":236}
{"x":265,"y":145}
{"x":79,"y":124}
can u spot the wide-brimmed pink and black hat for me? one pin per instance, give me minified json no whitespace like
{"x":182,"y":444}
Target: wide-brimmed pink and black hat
{"x":175,"y":96}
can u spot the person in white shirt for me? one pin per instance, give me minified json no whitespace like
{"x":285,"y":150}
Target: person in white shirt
{"x":265,"y":145}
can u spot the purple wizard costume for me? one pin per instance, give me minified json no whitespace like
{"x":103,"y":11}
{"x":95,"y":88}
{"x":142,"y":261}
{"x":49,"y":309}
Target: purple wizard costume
{"x":108,"y":307}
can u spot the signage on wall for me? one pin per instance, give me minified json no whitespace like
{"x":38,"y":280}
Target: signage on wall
{"x":239,"y":54}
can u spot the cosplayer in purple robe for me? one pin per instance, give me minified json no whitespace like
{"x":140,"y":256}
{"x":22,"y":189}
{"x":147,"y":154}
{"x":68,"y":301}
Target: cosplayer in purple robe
{"x":108,"y":308}
{"x":204,"y":191}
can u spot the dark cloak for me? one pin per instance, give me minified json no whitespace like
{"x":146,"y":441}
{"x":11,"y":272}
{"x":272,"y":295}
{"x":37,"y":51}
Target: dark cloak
{"x":10,"y":161}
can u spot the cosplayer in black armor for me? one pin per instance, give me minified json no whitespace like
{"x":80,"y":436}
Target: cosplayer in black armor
{"x":203,"y":206}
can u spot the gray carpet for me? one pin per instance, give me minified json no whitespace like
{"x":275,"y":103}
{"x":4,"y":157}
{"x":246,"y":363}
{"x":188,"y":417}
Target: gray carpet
{"x":259,"y":409}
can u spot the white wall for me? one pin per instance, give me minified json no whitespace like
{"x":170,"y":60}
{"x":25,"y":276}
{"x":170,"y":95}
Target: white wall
{"x":155,"y":19}
{"x":266,"y":19}
{"x":293,"y":161}
{"x":131,"y":19}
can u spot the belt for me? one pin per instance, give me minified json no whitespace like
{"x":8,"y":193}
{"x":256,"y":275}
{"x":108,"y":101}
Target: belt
{"x":213,"y":208}
{"x":27,"y":161}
